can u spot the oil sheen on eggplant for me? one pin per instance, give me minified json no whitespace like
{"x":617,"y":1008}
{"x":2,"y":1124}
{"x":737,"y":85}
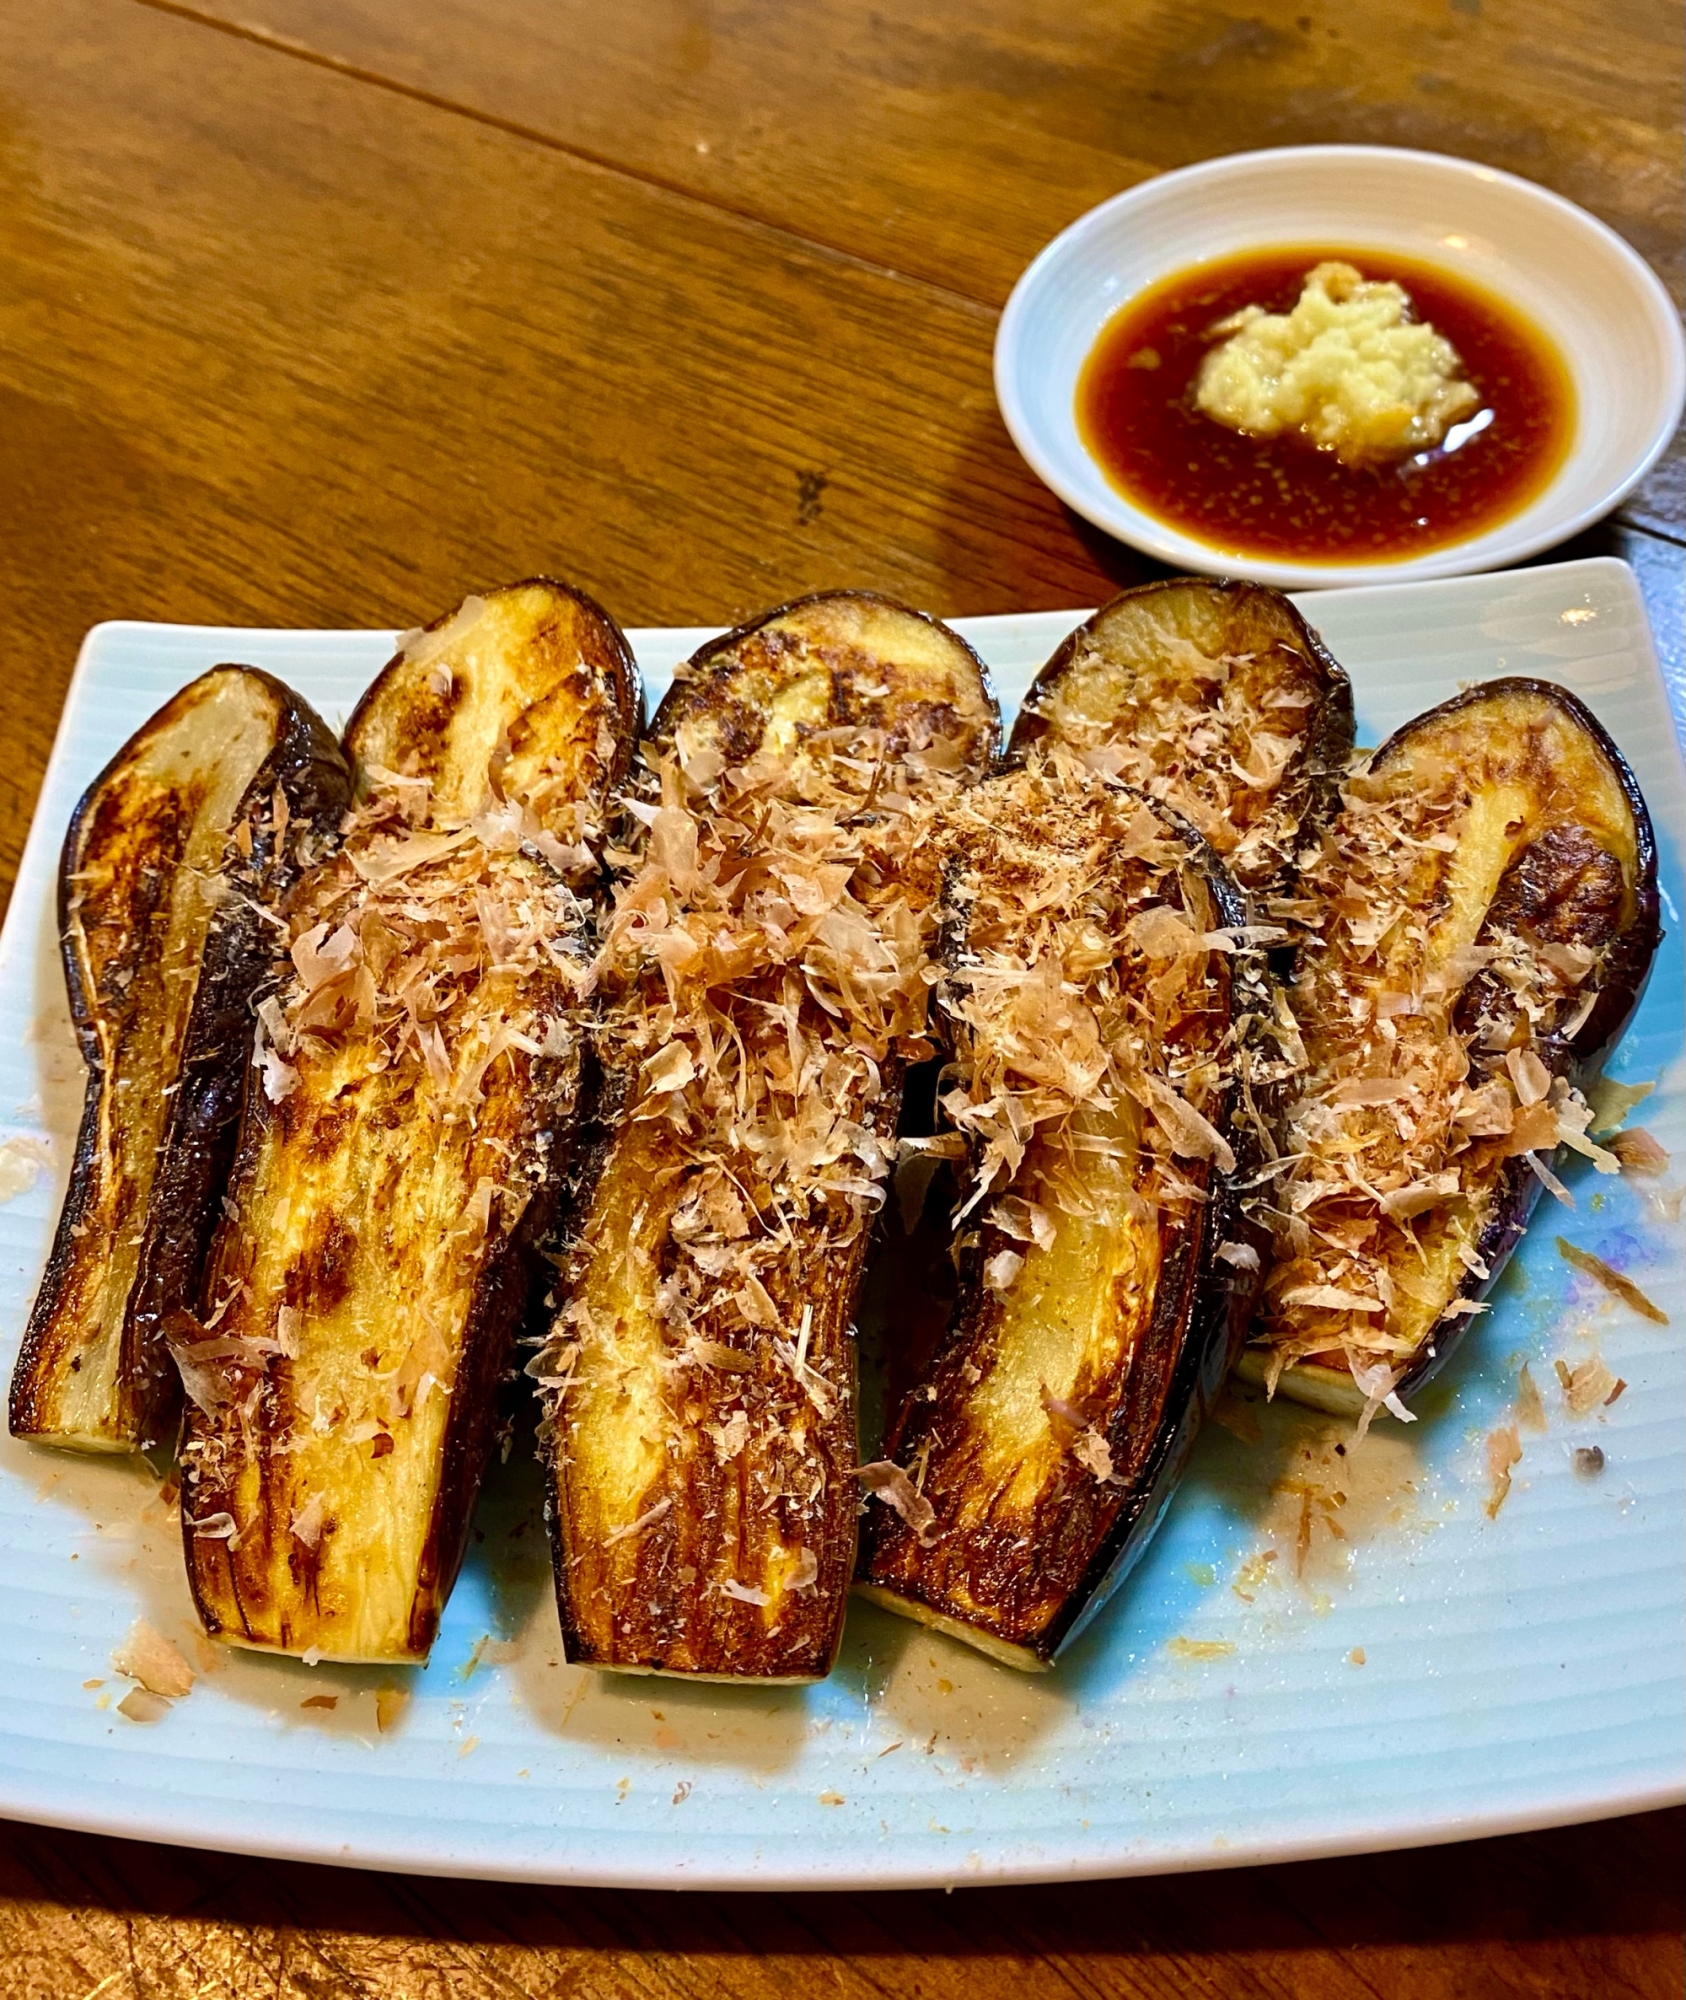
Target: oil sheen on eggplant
{"x":1096,"y":963}
{"x":404,"y":1132}
{"x":1219,"y":700}
{"x":765,"y":966}
{"x":1489,"y":897}
{"x":177,"y":850}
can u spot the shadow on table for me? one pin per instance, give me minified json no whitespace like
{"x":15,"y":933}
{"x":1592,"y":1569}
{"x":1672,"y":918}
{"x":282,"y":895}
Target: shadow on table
{"x":1579,"y":1910}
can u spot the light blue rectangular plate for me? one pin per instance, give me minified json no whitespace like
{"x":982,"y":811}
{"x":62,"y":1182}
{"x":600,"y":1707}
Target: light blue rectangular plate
{"x":1288,"y":1672}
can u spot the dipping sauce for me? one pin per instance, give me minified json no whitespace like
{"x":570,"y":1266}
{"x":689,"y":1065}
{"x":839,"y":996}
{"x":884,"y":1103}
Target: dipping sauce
{"x":1282,"y":497}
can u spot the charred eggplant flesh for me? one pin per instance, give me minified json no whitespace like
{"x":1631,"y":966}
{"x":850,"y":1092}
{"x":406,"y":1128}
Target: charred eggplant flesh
{"x":172,"y":869}
{"x":765,"y":970}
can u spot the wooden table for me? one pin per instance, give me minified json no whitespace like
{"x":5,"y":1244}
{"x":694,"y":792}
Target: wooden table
{"x":320,"y":312}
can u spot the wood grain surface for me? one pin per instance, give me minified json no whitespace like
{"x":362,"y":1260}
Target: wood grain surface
{"x":320,"y":312}
{"x":1585,"y":1913}
{"x":949,"y":141}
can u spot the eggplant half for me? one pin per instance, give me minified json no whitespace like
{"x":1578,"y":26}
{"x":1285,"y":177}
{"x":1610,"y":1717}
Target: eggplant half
{"x":1489,"y":899}
{"x":1217,"y":699}
{"x":765,"y":973}
{"x":174,"y":863}
{"x":1096,"y":962}
{"x":405,"y":1127}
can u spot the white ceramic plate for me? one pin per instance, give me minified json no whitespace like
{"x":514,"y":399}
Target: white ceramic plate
{"x":1517,"y":1672}
{"x":1609,"y":317}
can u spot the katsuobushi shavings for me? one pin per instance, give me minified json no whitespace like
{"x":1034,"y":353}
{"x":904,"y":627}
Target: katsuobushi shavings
{"x":1429,"y":1063}
{"x":431,"y":944}
{"x":1615,"y":1282}
{"x":1220,"y":737}
{"x":1087,"y":944}
{"x":392,"y":942}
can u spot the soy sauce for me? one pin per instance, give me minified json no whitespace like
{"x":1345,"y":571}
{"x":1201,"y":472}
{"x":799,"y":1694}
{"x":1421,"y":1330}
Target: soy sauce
{"x":1282,"y":497}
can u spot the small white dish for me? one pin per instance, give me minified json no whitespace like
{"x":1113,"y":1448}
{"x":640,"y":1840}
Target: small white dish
{"x":1576,"y":280}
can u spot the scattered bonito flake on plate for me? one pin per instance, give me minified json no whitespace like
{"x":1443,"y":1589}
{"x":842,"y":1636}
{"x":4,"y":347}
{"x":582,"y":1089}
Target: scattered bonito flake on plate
{"x":156,"y":1662}
{"x":159,"y":1668}
{"x":22,"y":1160}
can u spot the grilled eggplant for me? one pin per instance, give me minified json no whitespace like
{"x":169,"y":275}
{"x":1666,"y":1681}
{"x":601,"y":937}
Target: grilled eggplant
{"x":172,"y":867}
{"x":403,"y":1135}
{"x":1096,"y":964}
{"x":1219,"y":700}
{"x":1489,"y":899}
{"x":766,"y":961}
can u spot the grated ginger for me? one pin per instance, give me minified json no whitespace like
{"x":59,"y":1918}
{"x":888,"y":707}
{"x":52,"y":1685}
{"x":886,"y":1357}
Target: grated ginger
{"x":1349,"y":368}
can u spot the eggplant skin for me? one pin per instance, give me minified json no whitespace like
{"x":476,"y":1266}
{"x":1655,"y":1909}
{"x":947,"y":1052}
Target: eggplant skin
{"x":1033,"y":1526}
{"x":1175,"y":682}
{"x":393,"y":1188}
{"x":700,"y":1483}
{"x":161,"y":974}
{"x":1569,"y":868}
